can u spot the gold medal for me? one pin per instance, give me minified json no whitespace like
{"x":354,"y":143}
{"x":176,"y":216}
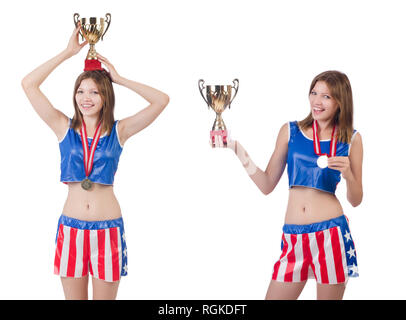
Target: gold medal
{"x":86,"y":184}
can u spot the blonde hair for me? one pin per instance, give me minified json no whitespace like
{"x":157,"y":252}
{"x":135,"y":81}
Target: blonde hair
{"x":340,"y":89}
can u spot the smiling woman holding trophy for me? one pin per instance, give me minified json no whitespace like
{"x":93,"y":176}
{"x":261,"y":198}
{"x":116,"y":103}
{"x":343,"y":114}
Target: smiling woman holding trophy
{"x":318,"y":151}
{"x":90,"y":235}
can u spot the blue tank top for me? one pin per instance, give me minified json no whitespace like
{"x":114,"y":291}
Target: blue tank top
{"x":105,"y":161}
{"x":302,"y":162}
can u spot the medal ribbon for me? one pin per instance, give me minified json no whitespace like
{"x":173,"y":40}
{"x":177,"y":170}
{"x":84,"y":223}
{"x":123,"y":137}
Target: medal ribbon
{"x":316,"y":141}
{"x":88,"y":154}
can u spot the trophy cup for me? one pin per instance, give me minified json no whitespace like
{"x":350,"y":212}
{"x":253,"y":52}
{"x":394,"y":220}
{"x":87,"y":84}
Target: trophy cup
{"x":92,"y":32}
{"x":218,"y":97}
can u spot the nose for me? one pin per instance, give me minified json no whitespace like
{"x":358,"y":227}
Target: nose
{"x":86,"y":96}
{"x":317,"y":99}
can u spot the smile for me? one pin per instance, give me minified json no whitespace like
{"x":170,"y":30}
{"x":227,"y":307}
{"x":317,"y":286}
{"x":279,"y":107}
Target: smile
{"x":318,"y":110}
{"x":87,"y":106}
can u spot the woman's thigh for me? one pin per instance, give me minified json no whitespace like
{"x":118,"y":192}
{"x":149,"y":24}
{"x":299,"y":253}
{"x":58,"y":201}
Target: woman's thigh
{"x":75,"y":288}
{"x":104,"y":290}
{"x":330,"y":291}
{"x":284,"y":290}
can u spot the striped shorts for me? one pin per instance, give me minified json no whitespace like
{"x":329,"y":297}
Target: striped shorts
{"x":98,"y":247}
{"x":324,"y":251}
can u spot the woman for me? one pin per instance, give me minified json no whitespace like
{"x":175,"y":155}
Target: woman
{"x":316,"y":242}
{"x":90,"y":235}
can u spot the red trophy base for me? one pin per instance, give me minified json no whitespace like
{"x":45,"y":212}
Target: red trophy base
{"x":92,"y":64}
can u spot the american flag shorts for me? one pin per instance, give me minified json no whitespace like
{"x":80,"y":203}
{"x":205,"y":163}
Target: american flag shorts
{"x":324,"y":251}
{"x":98,"y":247}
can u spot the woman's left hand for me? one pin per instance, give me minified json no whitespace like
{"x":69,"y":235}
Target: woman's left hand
{"x":112,"y":71}
{"x":341,"y":164}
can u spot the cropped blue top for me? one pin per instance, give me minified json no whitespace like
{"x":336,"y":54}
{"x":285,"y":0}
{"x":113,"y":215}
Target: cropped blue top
{"x":302,"y":162}
{"x":105,"y":161}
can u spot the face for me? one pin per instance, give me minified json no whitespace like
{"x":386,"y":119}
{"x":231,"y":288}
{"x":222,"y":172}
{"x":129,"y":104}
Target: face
{"x":88,"y":98}
{"x":323,"y":106}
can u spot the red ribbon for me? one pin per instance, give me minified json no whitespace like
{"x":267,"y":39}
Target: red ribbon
{"x":88,"y":153}
{"x":316,"y":141}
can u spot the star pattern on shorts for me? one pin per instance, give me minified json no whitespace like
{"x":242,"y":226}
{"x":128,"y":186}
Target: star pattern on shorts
{"x":347,"y":236}
{"x":351,"y":253}
{"x":124,"y":268}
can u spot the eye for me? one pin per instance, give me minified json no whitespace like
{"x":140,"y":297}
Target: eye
{"x":326,"y":96}
{"x":79,"y":92}
{"x":313,"y":93}
{"x":95,"y":92}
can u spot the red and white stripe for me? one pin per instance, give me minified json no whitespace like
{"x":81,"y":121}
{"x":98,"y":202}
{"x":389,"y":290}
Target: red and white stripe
{"x":316,"y":141}
{"x":88,"y":154}
{"x":81,"y":251}
{"x":319,"y":255}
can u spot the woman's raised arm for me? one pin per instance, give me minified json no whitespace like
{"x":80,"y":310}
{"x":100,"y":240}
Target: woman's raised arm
{"x":54,"y":118}
{"x":266,"y":180}
{"x":142,"y":119}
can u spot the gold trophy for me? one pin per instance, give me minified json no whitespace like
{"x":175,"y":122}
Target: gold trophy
{"x":218,"y":97}
{"x":92,"y":32}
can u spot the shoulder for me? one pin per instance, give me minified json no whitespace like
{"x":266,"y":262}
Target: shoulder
{"x":356,"y":137}
{"x":285,"y":129}
{"x":290,"y":125}
{"x":356,"y":147}
{"x":284,"y":134}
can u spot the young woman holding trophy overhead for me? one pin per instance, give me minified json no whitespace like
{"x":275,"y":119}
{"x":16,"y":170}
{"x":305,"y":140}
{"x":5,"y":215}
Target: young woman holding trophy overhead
{"x":316,"y":240}
{"x":90,"y":234}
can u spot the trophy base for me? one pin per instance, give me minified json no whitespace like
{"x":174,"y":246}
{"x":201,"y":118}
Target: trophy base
{"x":92,"y":64}
{"x":222,"y":133}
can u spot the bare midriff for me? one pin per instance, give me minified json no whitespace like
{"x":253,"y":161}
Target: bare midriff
{"x":307,"y":205}
{"x":97,"y":204}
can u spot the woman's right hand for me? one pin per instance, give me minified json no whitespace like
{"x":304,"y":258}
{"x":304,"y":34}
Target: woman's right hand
{"x":74,"y":46}
{"x":222,"y":139}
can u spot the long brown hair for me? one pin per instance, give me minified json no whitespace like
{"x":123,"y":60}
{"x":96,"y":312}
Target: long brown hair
{"x":105,"y":88}
{"x":340,"y":89}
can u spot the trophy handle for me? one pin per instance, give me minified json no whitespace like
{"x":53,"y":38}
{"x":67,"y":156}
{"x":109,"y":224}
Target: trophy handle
{"x":235,"y":87}
{"x":201,"y":87}
{"x":108,"y":20}
{"x":76,"y":21}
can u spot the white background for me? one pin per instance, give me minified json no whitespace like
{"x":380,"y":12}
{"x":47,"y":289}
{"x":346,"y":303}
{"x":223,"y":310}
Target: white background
{"x":196,"y":226}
